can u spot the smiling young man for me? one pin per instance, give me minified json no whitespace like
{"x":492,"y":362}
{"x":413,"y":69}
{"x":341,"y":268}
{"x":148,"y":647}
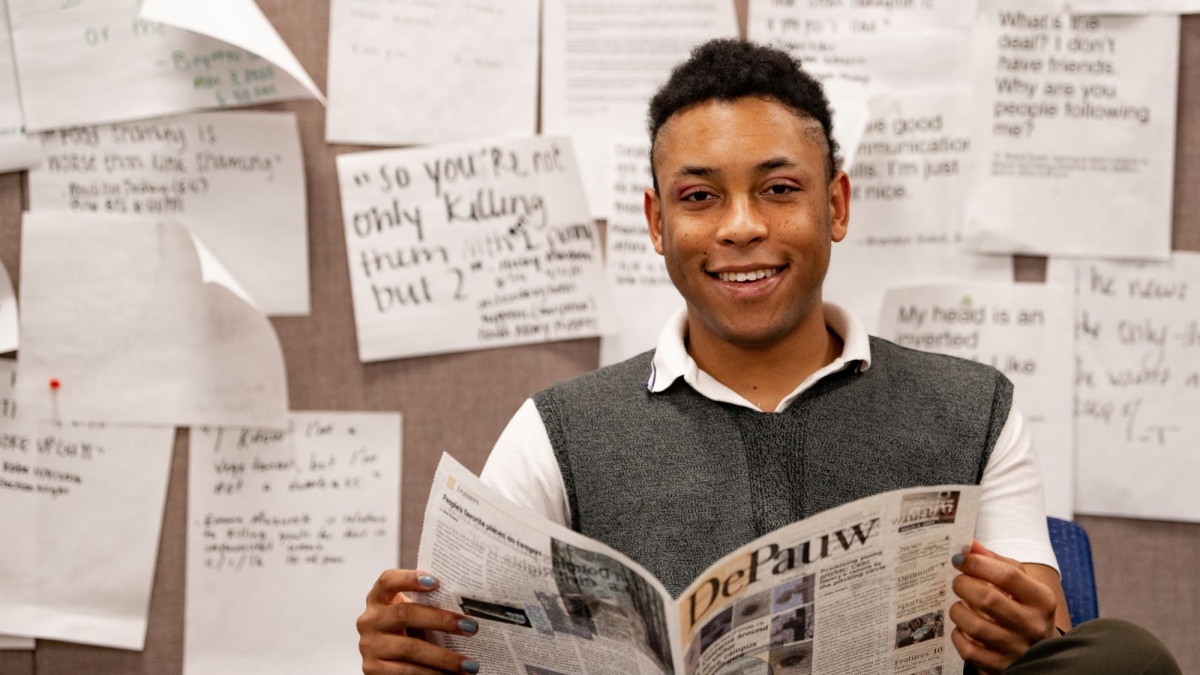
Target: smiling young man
{"x":762,"y":404}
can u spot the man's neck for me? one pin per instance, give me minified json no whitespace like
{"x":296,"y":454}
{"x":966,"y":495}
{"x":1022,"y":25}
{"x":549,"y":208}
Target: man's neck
{"x":766,"y":374}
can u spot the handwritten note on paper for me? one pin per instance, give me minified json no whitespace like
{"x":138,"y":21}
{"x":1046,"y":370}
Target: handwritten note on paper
{"x":642,"y":291}
{"x":18,"y":503}
{"x":131,"y":333}
{"x":1075,"y":127}
{"x":884,"y":45}
{"x":237,"y":22}
{"x":1137,"y":385}
{"x":420,"y":72}
{"x":602,"y":61}
{"x":906,"y":202}
{"x":236,"y":179}
{"x":96,"y":62}
{"x":1023,"y":331}
{"x":90,"y":485}
{"x":289,"y":528}
{"x":18,"y":151}
{"x":470,"y":246}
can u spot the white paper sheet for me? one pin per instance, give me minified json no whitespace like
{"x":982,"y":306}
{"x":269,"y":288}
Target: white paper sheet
{"x":96,"y":61}
{"x":404,"y":73}
{"x":881,"y":45}
{"x":84,"y":503}
{"x":851,"y":113}
{"x":907,"y":188}
{"x":235,"y":178}
{"x":856,"y":51}
{"x":1022,"y":330}
{"x":642,"y":292}
{"x":9,"y":323}
{"x":1130,"y":6}
{"x":286,"y":531}
{"x":1137,"y":330}
{"x":470,"y":246}
{"x":115,"y":311}
{"x":1074,"y":134}
{"x":17,"y":150}
{"x":601,"y":63}
{"x":237,"y":22}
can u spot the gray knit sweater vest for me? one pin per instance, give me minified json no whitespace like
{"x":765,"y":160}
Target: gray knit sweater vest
{"x":675,"y":480}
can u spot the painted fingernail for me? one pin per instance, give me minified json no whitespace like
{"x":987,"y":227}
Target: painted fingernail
{"x":470,"y":666}
{"x":468,"y":626}
{"x":957,"y":560}
{"x":427,"y":581}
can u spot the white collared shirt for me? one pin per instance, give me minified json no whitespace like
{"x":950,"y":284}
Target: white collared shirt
{"x":1012,"y":515}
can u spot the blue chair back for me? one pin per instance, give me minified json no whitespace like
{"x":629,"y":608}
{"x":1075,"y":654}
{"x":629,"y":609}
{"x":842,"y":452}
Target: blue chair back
{"x":1074,"y":553}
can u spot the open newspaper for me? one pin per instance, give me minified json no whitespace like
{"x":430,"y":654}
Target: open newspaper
{"x":862,"y":588}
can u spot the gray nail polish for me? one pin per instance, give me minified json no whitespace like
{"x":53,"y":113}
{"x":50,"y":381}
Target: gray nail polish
{"x":427,"y":581}
{"x":468,"y":626}
{"x":470,"y":666}
{"x":957,"y":560}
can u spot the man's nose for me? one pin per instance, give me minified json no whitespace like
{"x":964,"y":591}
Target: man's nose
{"x":741,"y":224}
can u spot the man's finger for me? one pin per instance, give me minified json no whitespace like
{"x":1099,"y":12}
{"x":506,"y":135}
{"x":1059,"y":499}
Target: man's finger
{"x":983,"y":630}
{"x":404,"y":650}
{"x":987,"y":600}
{"x":1005,"y":574}
{"x":394,"y":582}
{"x":976,"y":654}
{"x":411,"y":615}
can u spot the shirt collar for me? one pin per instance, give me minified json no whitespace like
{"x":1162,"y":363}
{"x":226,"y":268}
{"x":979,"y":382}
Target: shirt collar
{"x":671,"y":360}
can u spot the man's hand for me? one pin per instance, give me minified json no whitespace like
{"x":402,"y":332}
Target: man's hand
{"x":1003,"y":608}
{"x":391,"y":629}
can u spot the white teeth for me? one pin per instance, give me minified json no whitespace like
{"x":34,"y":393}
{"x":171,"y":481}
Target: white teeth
{"x":748,"y":276}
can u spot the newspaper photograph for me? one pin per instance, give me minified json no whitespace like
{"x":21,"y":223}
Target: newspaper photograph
{"x":862,"y":588}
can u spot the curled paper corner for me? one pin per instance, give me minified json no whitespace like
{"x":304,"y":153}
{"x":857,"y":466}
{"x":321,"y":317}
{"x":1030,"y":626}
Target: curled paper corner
{"x":213,"y":271}
{"x":238,"y":22}
{"x":131,"y":334}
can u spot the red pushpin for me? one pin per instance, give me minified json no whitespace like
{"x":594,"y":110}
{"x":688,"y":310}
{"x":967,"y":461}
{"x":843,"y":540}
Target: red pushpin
{"x":54,"y":383}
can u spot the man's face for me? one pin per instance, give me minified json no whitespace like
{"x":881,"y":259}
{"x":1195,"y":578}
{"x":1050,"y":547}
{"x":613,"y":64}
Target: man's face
{"x":745,"y":217}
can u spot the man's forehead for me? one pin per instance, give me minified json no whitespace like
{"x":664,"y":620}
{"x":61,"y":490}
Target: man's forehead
{"x":716,"y":125}
{"x":728,"y":108}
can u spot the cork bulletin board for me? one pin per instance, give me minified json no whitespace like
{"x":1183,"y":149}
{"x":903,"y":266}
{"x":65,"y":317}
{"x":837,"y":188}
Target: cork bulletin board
{"x":459,"y":402}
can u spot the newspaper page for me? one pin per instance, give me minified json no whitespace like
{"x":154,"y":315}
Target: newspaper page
{"x":549,"y":601}
{"x":863,"y":588}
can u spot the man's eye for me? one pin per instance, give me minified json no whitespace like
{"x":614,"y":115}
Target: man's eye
{"x":698,"y":196}
{"x":780,"y":189}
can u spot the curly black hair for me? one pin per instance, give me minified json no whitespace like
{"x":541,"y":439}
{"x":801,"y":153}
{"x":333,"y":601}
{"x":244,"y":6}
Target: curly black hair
{"x":728,"y":69}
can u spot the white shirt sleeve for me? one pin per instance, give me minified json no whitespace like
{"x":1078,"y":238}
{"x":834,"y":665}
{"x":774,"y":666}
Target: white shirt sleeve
{"x":523,"y":468}
{"x":1012,"y":508}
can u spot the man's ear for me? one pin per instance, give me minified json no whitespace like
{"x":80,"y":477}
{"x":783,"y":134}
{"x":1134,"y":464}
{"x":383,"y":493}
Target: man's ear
{"x":653,"y":209}
{"x":839,"y":206}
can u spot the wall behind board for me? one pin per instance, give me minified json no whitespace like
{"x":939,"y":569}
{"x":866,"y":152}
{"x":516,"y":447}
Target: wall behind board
{"x":460,"y":402}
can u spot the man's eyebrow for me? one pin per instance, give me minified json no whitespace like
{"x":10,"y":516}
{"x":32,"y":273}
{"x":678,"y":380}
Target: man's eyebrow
{"x":774,"y":163}
{"x":709,"y":172}
{"x":701,"y":171}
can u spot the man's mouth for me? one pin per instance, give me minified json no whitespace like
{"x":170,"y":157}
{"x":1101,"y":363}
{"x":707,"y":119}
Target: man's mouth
{"x":748,"y":276}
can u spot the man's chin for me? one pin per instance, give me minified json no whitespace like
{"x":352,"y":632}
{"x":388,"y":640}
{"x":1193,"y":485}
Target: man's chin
{"x":752,"y":338}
